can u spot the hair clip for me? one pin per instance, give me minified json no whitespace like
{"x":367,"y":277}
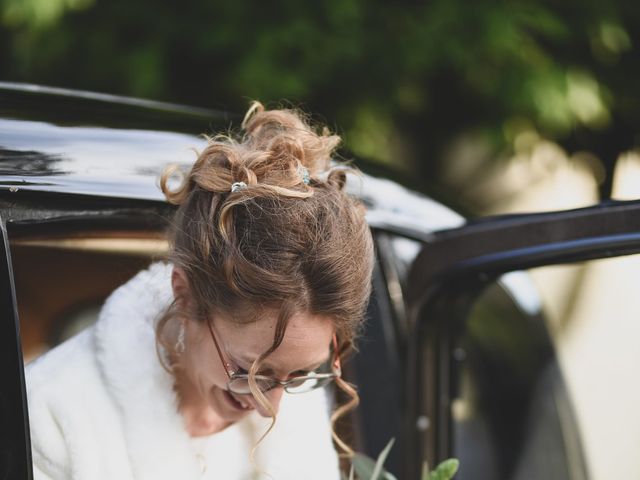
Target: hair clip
{"x":235,"y":186}
{"x":304,"y":173}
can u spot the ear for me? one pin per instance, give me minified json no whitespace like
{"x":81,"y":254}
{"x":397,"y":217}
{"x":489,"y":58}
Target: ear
{"x":180,"y":286}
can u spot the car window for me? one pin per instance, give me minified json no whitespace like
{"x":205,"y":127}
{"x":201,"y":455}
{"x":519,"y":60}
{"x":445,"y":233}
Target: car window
{"x":396,"y":254}
{"x":542,"y":368}
{"x":405,"y":250}
{"x":509,"y":406}
{"x":61,"y":281}
{"x":593,"y":309}
{"x":380,"y":378}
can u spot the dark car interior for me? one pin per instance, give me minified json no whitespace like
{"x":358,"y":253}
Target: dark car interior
{"x":62,"y":281}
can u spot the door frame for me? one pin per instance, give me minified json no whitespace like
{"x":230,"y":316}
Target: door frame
{"x":456,"y":265}
{"x":15,"y":442}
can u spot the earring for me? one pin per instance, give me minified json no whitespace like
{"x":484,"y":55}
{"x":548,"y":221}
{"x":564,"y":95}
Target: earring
{"x":180,"y":346}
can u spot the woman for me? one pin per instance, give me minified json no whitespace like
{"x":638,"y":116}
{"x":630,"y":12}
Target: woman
{"x":183,"y":375}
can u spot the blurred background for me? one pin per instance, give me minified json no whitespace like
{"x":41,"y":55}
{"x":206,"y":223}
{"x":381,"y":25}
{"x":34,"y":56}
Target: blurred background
{"x":489,"y":106}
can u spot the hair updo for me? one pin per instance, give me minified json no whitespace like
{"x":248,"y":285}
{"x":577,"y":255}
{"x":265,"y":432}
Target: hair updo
{"x":292,"y":240}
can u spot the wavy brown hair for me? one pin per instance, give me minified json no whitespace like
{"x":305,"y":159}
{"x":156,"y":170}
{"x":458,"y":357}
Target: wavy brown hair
{"x":280,"y":243}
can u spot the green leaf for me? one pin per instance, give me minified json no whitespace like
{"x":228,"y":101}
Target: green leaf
{"x":381,"y":459}
{"x":388,"y":476}
{"x":367,"y":469}
{"x":363,"y":466}
{"x":446,"y":470}
{"x":425,"y":471}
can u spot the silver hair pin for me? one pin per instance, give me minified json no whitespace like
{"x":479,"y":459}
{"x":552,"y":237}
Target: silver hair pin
{"x":304,"y":173}
{"x":235,"y":186}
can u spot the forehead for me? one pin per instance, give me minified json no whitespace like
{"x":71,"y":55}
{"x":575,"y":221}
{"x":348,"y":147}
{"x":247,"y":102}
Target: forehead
{"x":306,"y":339}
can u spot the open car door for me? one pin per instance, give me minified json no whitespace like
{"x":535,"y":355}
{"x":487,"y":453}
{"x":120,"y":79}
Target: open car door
{"x":15,"y":449}
{"x":504,"y":372}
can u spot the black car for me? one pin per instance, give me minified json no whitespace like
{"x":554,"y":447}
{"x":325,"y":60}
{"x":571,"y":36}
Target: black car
{"x":455,"y":361}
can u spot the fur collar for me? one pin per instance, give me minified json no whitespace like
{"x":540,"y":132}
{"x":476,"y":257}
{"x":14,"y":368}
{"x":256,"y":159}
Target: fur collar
{"x":158,"y":445}
{"x":140,"y":387}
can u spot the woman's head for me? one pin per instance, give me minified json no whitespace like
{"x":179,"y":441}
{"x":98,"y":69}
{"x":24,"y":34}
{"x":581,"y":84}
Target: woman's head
{"x":224,"y":349}
{"x":286,"y":249}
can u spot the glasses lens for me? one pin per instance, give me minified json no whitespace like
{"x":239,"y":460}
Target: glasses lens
{"x":240,"y":385}
{"x":306,"y":384}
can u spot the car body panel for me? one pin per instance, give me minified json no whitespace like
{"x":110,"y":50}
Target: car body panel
{"x":77,"y":152}
{"x":78,"y":164}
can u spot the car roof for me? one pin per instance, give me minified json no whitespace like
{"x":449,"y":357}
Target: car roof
{"x":60,"y":141}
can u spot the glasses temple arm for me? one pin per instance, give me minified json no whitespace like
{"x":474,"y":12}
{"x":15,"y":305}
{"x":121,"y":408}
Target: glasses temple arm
{"x":227,"y":367}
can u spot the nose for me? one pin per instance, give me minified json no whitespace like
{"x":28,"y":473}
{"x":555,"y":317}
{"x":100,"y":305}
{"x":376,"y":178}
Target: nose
{"x":273,"y":397}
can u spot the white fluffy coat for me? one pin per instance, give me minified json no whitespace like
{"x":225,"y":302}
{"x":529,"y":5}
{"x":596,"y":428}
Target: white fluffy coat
{"x":101,"y":407}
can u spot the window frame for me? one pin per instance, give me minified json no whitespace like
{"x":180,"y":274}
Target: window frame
{"x":15,"y":461}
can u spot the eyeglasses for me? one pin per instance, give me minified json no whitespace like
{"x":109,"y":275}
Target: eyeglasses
{"x":239,"y":382}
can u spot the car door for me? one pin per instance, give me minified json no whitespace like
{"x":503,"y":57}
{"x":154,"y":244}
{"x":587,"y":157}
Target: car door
{"x":15,"y":451}
{"x":491,"y":381}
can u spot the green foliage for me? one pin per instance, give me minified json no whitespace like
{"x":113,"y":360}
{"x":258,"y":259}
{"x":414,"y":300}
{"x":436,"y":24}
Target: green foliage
{"x":364,"y":468}
{"x":444,"y":471}
{"x":404,"y":80}
{"x":37,"y":14}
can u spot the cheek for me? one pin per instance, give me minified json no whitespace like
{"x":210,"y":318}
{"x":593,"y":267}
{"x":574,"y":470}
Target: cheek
{"x":218,"y":377}
{"x":215,"y":377}
{"x":203,"y":369}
